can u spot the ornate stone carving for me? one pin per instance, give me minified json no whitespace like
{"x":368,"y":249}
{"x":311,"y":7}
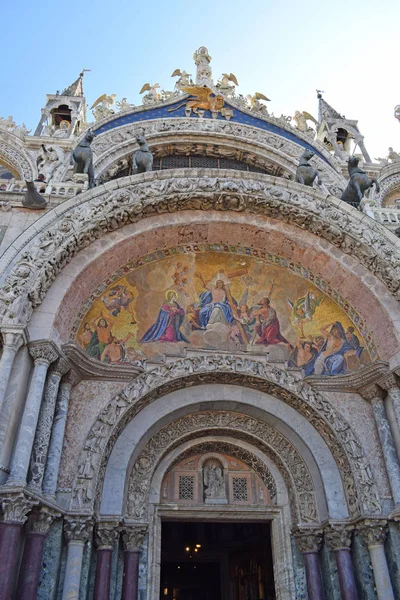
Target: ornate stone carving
{"x":251,"y":460}
{"x":255,"y":430}
{"x":372,"y":392}
{"x":41,"y":520}
{"x":359,"y":485}
{"x":41,"y":260}
{"x":338,"y":536}
{"x":309,"y":540}
{"x":78,"y":528}
{"x":373,"y":532}
{"x":16,"y":507}
{"x":13,"y":338}
{"x":390,"y":382}
{"x":107,"y":534}
{"x":133,"y":537}
{"x":43,"y":351}
{"x":60,"y":367}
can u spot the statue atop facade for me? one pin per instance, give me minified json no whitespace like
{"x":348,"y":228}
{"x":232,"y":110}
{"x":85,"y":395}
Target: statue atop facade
{"x":255,"y":104}
{"x":153,"y":97}
{"x":82,"y":157}
{"x":184,"y":80}
{"x":202,"y":61}
{"x":49,"y":158}
{"x":225,"y":87}
{"x":393,"y":156}
{"x":359,"y":183}
{"x":305,"y":172}
{"x":214,"y":483}
{"x":142,"y":158}
{"x":124,"y":105}
{"x":102,"y":107}
{"x":301,"y":118}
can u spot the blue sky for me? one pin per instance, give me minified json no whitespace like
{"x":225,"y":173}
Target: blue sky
{"x":284,"y":50}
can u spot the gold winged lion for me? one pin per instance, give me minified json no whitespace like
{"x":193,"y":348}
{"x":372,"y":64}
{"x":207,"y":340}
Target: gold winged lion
{"x":202,"y":100}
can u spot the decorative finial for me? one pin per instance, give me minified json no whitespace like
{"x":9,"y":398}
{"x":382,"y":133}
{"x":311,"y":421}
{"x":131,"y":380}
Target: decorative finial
{"x":319,"y":94}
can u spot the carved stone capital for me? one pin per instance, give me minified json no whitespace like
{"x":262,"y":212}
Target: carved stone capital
{"x":309,"y":540}
{"x":373,"y":392}
{"x":43,"y":352}
{"x":78,"y":529}
{"x":40,"y":520}
{"x":338,"y":536}
{"x":107,"y":534}
{"x":16,"y":507}
{"x":391,"y":381}
{"x":71,"y":378}
{"x":373,"y":532}
{"x":61,"y":366}
{"x":133,"y":536}
{"x":14,"y":338}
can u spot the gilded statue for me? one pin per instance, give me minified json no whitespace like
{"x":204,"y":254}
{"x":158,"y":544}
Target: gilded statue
{"x":203,"y":100}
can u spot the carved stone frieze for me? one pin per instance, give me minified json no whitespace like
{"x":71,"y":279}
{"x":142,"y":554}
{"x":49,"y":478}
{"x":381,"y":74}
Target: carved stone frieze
{"x":373,"y":532}
{"x":43,"y":351}
{"x":309,"y":540}
{"x":258,"y":432}
{"x":15,"y":154}
{"x":78,"y":528}
{"x":133,"y":537}
{"x":359,"y":485}
{"x":106,"y":209}
{"x":107,"y":534}
{"x":16,"y":507}
{"x":338,"y":536}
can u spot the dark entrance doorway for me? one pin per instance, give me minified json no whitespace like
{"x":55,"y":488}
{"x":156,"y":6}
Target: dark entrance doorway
{"x":216,"y":561}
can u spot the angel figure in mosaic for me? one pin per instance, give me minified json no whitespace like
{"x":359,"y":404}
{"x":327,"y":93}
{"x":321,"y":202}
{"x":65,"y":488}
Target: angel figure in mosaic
{"x":303,"y":309}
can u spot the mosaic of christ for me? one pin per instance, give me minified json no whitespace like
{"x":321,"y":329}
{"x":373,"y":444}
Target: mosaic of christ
{"x":225,"y":302}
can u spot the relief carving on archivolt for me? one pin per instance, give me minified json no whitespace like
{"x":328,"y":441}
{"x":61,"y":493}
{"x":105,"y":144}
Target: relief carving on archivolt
{"x":358,"y":481}
{"x":271,"y":442}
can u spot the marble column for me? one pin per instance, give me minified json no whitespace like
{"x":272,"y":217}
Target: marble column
{"x":375,"y":395}
{"x":77,"y":532}
{"x":106,"y":536}
{"x":374,"y":533}
{"x":309,"y":543}
{"x":391,"y":384}
{"x":132,"y":538}
{"x":15,"y":508}
{"x":39,"y":524}
{"x":43,"y":354}
{"x":57,"y":434}
{"x":12,"y":342}
{"x":338,"y":539}
{"x":46,"y":415}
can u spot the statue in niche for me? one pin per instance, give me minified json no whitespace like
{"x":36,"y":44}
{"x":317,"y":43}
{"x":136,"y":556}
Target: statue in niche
{"x":214,"y":483}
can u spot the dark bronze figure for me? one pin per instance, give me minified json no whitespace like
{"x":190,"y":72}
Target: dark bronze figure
{"x":359,"y":183}
{"x":142,"y":158}
{"x":305,"y":172}
{"x":32,"y":198}
{"x":82,"y":157}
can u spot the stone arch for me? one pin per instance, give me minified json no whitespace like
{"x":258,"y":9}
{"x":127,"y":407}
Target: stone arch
{"x":13,"y":153}
{"x":261,"y":465}
{"x":44,"y":250}
{"x":290,"y":463}
{"x":344,"y":446}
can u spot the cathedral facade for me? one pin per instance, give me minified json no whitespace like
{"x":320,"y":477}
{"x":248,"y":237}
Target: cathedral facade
{"x":200,"y":368}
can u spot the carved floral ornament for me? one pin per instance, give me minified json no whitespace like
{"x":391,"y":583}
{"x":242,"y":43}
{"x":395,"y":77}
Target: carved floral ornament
{"x":358,"y":482}
{"x":57,"y":237}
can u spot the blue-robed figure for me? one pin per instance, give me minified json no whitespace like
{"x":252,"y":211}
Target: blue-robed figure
{"x":331,"y":359}
{"x":168,"y":323}
{"x":215,"y":306}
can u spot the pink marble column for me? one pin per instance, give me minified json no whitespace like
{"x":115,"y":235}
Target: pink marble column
{"x":338,"y":539}
{"x":31,"y":564}
{"x":15,"y":508}
{"x":132,"y":537}
{"x":309,"y":543}
{"x":106,"y":536}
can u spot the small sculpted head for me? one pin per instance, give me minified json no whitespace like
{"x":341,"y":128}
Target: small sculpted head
{"x":353,"y":162}
{"x":307,"y":154}
{"x":90,"y":135}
